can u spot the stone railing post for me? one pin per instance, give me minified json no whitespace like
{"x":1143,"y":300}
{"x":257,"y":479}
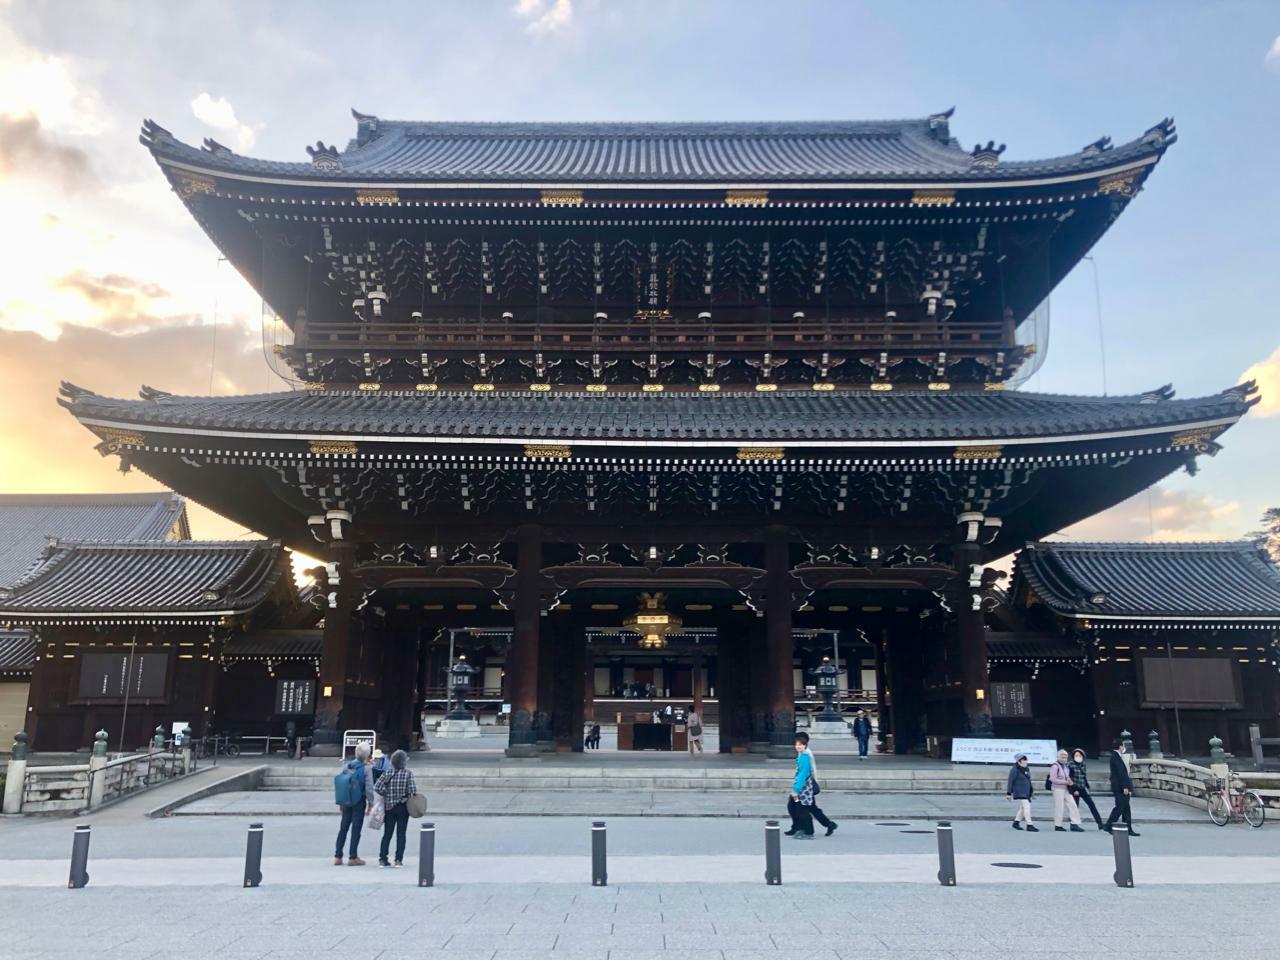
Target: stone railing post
{"x":157,"y":741}
{"x":1218,"y":758}
{"x":1153,"y":746}
{"x":16,"y":775}
{"x":97,"y":770}
{"x":1255,"y":744}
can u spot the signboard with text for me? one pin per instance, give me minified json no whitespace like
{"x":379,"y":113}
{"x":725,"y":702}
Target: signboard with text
{"x":1011,"y":699}
{"x":118,"y":676}
{"x":992,"y":750}
{"x":295,"y":697}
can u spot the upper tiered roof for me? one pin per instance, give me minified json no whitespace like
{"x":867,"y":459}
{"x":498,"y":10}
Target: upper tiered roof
{"x":711,"y":154}
{"x":1217,"y":581}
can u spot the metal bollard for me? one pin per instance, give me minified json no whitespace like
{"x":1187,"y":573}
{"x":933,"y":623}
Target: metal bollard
{"x":253,"y":856}
{"x":1124,"y":861}
{"x":599,"y":872}
{"x":427,"y":856}
{"x":946,"y":854}
{"x":772,"y":853}
{"x":79,"y":858}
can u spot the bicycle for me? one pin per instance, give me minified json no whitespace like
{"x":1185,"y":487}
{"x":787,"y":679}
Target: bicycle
{"x":1229,"y":801}
{"x":212,"y":746}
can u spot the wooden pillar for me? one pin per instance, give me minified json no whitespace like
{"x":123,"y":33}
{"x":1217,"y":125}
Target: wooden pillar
{"x":699,"y":669}
{"x":976,"y":687}
{"x":758,"y":705}
{"x":569,"y":674}
{"x":588,"y":682}
{"x":883,"y":722}
{"x":780,"y":652}
{"x":731,"y":690}
{"x":550,"y":653}
{"x":334,"y":653}
{"x":522,"y":662}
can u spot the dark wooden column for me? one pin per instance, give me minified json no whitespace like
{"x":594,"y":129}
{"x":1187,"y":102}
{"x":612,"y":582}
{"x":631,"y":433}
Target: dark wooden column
{"x":335,"y":651}
{"x":549,"y":654}
{"x":698,"y":673}
{"x":759,"y":704}
{"x":780,"y":646}
{"x":884,"y":722}
{"x":973,"y":644}
{"x":588,"y":682}
{"x":522,"y":661}
{"x":568,"y":693}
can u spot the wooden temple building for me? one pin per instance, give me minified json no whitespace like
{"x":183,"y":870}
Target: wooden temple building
{"x":746,"y":386}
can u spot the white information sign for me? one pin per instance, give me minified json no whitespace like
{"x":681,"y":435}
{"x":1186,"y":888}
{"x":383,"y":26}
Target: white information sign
{"x":990,"y":750}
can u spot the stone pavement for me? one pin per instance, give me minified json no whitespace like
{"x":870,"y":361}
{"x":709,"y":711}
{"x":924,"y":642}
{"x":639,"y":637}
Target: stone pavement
{"x":704,"y":921}
{"x":589,"y":801}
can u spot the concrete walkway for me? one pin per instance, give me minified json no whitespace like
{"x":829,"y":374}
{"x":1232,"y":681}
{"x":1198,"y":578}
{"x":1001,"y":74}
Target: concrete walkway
{"x":593,"y":802}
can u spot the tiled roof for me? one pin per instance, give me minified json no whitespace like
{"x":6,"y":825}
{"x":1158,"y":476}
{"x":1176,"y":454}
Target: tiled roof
{"x":29,"y":521}
{"x":274,"y":645}
{"x":786,"y":416}
{"x":656,"y":153}
{"x":17,"y":651}
{"x":1032,"y":646}
{"x":129,"y":579}
{"x":1192,"y":581}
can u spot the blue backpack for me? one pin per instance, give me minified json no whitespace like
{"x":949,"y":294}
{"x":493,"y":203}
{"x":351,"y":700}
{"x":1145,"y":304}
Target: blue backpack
{"x":348,"y":786}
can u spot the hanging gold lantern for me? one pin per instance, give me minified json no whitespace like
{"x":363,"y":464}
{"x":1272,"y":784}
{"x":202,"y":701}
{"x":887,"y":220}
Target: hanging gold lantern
{"x":652,"y":621}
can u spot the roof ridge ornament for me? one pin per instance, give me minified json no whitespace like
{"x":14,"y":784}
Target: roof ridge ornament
{"x":1098,"y":147}
{"x":211,"y":145}
{"x":151,"y":393}
{"x":152,"y":132}
{"x":324,"y":157}
{"x":1246,"y":393}
{"x":985,"y":158}
{"x":1158,"y":395}
{"x":939,"y":128}
{"x":366,"y":127}
{"x":1162,"y":134}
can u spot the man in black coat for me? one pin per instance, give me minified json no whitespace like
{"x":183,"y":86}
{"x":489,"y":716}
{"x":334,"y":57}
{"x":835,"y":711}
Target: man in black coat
{"x":1121,"y":789}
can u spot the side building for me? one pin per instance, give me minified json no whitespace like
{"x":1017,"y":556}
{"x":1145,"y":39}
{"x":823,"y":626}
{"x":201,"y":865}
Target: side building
{"x":114,"y":618}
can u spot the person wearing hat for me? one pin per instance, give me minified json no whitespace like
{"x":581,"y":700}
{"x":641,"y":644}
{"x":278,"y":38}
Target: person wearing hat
{"x":380,"y":765}
{"x":1019,"y":788}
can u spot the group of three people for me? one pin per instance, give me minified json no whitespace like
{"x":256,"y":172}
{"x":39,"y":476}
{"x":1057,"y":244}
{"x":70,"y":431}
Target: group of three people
{"x":1068,"y":780}
{"x":376,"y":787}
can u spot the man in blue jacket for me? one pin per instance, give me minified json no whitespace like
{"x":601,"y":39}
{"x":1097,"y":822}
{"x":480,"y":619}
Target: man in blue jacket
{"x":1121,"y":789}
{"x":862,"y":730}
{"x":353,"y":792}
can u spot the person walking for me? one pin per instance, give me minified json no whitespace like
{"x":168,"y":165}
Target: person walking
{"x":815,"y":810}
{"x":1061,"y":784}
{"x":1121,"y":789}
{"x":800,"y":803}
{"x":862,"y":730}
{"x":1080,"y":784}
{"x":353,"y":791}
{"x":395,"y":787}
{"x":1018,"y":788}
{"x":695,"y":731}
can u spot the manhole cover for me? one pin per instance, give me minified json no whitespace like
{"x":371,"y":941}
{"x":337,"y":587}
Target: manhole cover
{"x":915,"y":831}
{"x":1019,"y":866}
{"x":893,"y":824}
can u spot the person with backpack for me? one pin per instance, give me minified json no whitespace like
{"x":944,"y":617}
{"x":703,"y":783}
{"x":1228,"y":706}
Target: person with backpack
{"x":395,"y":787}
{"x":1060,"y":782}
{"x":1080,"y":784}
{"x":353,"y":793}
{"x":1018,"y":788}
{"x":695,"y":731}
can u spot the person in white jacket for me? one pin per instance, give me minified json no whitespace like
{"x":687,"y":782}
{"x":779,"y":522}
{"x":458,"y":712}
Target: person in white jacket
{"x":1060,"y":782}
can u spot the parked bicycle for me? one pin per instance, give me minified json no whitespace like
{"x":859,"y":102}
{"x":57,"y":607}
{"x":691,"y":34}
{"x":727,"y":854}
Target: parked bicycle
{"x":1229,"y":801}
{"x":215,"y":746}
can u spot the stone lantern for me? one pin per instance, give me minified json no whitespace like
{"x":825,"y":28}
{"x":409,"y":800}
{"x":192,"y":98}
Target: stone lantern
{"x":460,"y":675}
{"x":828,"y":723}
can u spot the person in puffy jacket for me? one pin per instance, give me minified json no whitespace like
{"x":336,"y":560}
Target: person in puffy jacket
{"x":1018,"y":788}
{"x":1080,"y":788}
{"x":1062,"y":784}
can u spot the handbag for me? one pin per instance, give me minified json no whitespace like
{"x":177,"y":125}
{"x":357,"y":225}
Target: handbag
{"x":817,"y":787}
{"x":377,"y":816}
{"x":416,"y":804}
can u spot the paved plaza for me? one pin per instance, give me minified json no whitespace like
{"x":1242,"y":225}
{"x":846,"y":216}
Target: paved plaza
{"x":689,"y":887}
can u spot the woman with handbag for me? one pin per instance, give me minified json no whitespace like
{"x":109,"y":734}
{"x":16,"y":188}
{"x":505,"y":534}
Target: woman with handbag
{"x":816,"y":811}
{"x":396,"y":787}
{"x":800,"y":803}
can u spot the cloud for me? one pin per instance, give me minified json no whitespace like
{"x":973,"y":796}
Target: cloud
{"x":49,"y":88}
{"x":544,"y":16}
{"x":47,"y":451}
{"x":1163,"y":514}
{"x":26,"y":149}
{"x":1272,"y":59}
{"x":1267,"y":373}
{"x":220,"y":115}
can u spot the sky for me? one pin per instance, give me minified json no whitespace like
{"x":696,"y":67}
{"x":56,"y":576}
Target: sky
{"x":106,"y":281}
